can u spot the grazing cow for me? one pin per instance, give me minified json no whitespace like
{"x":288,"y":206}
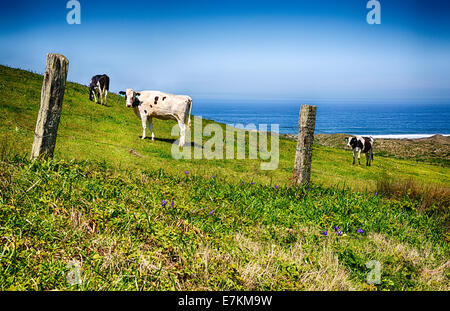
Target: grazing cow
{"x":154,"y":104}
{"x":99,"y":83}
{"x":361,"y":144}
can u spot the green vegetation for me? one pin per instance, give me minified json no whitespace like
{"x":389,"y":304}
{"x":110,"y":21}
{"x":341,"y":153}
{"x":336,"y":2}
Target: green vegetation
{"x":100,"y":202}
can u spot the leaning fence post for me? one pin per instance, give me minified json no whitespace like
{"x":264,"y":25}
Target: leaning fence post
{"x":303,"y":154}
{"x":52,"y":95}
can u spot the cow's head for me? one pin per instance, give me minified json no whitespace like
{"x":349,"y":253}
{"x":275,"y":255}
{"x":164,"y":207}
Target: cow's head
{"x":131,"y":97}
{"x":351,"y":142}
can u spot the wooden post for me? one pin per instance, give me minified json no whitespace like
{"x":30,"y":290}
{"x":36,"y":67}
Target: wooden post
{"x":303,"y":154}
{"x":52,"y":95}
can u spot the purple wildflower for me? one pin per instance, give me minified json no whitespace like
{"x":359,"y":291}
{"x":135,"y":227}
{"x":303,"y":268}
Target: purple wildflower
{"x":336,"y":228}
{"x":324,"y":232}
{"x":186,"y":172}
{"x":360,"y":231}
{"x":163,"y":202}
{"x":213,"y":176}
{"x":252,"y":183}
{"x":309,"y":189}
{"x":276,"y":187}
{"x":339,"y":232}
{"x":211,"y":212}
{"x":376,"y":193}
{"x":172,"y":203}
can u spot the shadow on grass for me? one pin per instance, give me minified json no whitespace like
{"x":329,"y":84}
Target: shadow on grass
{"x":171,"y":141}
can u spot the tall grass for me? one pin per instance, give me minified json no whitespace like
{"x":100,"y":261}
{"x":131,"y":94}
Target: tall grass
{"x":430,"y":197}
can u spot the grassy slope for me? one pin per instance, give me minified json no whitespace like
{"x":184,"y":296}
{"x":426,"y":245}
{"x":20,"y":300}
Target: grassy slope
{"x":257,"y":237}
{"x":89,"y":131}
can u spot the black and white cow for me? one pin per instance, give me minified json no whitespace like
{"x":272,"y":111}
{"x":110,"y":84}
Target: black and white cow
{"x":155,"y":104}
{"x":99,"y":83}
{"x":361,"y":144}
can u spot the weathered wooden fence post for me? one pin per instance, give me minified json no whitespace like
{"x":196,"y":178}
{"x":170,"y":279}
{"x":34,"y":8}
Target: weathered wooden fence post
{"x":303,"y":154}
{"x":52,"y":95}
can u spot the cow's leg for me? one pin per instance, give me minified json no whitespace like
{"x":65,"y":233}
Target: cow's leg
{"x":353,"y":157}
{"x":367,"y":158}
{"x":182,"y":133}
{"x":150,"y":126}
{"x":359,"y":157}
{"x":106,"y":95}
{"x":102,"y":94}
{"x":99,"y":92}
{"x":95,"y":95}
{"x":144,"y":124}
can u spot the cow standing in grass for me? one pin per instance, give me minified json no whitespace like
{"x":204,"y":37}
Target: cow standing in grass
{"x":155,"y":104}
{"x":361,"y":144}
{"x":100,"y":84}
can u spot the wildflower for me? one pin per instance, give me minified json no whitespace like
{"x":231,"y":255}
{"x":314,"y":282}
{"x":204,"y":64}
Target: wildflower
{"x":339,"y":232}
{"x":186,"y":172}
{"x":336,"y":228}
{"x":360,"y":231}
{"x":252,"y":183}
{"x":172,"y":203}
{"x":276,"y":187}
{"x":376,"y":193}
{"x":211,"y":212}
{"x":213,"y":176}
{"x":163,"y":202}
{"x":324,"y":232}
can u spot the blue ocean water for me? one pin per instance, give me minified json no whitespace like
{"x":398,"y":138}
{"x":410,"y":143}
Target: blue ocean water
{"x":358,"y":118}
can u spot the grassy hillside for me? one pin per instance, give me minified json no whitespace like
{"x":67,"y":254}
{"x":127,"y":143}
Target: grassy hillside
{"x":100,"y":202}
{"x":93,"y":132}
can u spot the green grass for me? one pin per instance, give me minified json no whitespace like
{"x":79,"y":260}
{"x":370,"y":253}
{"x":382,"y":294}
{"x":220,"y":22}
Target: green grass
{"x":93,"y":132}
{"x":99,"y":204}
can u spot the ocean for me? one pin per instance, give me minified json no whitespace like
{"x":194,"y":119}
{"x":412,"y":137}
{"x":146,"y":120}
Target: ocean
{"x":396,"y":119}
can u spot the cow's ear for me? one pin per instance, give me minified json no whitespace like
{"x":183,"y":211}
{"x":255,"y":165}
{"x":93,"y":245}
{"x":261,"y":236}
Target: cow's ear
{"x":122,"y":93}
{"x":138,"y":94}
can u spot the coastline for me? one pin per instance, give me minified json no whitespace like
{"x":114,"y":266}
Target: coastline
{"x":379,"y":136}
{"x":404,"y":136}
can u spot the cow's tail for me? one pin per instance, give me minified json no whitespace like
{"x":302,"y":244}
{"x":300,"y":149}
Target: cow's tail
{"x":189,"y":115}
{"x":371,"y":151}
{"x":106,"y":82}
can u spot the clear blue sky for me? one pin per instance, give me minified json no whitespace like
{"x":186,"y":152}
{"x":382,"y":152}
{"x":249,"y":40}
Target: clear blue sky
{"x":240,"y":49}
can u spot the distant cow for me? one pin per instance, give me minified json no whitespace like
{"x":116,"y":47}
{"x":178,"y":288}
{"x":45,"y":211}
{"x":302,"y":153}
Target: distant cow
{"x":361,"y":144}
{"x":155,"y":104}
{"x":99,"y":83}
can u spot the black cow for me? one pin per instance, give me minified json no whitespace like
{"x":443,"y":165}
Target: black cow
{"x":99,"y":83}
{"x":361,"y":144}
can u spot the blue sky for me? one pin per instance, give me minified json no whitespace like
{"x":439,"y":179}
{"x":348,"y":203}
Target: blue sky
{"x":241,"y":49}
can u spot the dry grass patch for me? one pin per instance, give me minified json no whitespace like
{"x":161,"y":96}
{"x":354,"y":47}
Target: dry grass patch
{"x":291,"y":268}
{"x":433,"y":272}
